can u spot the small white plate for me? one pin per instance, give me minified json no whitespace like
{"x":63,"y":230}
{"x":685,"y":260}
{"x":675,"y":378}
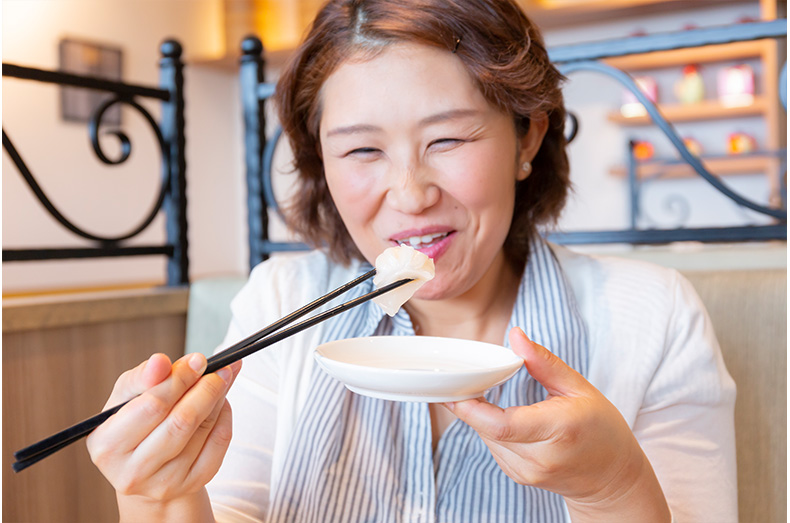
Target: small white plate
{"x":417,"y":368}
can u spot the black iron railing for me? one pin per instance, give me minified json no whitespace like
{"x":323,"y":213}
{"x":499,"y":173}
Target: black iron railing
{"x":169,"y":132}
{"x":587,"y":56}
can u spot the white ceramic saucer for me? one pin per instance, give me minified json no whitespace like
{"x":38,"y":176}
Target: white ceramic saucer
{"x":417,"y":368}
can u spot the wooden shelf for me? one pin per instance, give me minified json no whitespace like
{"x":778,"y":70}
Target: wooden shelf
{"x":564,"y":13}
{"x":727,"y":166}
{"x":705,"y":110}
{"x":695,"y":55}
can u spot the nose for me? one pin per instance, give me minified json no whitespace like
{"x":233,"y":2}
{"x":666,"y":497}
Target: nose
{"x":412,"y":190}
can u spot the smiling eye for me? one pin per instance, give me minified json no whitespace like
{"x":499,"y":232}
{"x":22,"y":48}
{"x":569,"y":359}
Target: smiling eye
{"x":363,"y":151}
{"x":443,"y":144}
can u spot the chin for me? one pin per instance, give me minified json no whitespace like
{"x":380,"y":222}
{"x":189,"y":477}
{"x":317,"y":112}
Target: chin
{"x":433,"y":290}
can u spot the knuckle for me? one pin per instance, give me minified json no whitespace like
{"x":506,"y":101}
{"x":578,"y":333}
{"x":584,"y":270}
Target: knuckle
{"x":98,"y":454}
{"x":548,"y":467}
{"x":207,"y":424}
{"x":185,"y":376}
{"x":182,"y":422}
{"x":99,"y":450}
{"x":223,"y":435}
{"x":552,"y":361}
{"x":501,"y":432}
{"x":127,"y":484}
{"x":153,"y":406}
{"x":223,"y":432}
{"x":213,"y":385}
{"x":122,"y":384}
{"x":161,"y":492}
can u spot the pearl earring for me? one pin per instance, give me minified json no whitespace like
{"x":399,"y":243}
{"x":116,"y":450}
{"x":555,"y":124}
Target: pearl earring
{"x":526,"y":167}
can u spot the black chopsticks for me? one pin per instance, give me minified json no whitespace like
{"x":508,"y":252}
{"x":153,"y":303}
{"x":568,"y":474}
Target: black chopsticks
{"x":260,"y":340}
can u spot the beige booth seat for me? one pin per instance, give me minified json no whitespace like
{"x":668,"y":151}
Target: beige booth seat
{"x":749,"y":313}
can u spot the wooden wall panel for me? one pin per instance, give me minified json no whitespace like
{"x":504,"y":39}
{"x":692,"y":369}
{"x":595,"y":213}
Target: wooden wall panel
{"x":54,"y":377}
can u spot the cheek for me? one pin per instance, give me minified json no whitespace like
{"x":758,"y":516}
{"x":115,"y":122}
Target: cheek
{"x":482,"y":182}
{"x":353,"y":191}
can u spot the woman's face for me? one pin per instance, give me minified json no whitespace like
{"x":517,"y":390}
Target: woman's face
{"x":414,"y":154}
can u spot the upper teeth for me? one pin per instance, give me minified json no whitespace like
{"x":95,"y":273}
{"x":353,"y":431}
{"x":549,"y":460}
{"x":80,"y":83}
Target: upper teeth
{"x":416,"y":241}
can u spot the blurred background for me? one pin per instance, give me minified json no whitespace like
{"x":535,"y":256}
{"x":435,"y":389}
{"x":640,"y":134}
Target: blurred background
{"x":70,"y":327}
{"x":109,"y":201}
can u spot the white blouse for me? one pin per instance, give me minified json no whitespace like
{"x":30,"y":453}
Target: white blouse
{"x":649,"y":348}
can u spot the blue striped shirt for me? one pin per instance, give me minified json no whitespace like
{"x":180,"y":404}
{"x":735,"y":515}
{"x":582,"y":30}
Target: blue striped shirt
{"x":354,"y":458}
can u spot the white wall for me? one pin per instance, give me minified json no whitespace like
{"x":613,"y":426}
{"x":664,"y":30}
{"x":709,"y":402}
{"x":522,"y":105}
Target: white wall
{"x":112,"y":200}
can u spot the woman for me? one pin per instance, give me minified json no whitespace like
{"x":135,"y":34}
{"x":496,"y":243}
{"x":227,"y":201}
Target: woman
{"x":438,"y":123}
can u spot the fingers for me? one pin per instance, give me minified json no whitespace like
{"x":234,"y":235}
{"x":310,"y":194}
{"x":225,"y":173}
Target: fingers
{"x":549,"y":370}
{"x":207,"y":457}
{"x":182,"y":433}
{"x":171,"y":448}
{"x":172,"y":437}
{"x":531,"y":423}
{"x":518,"y":424}
{"x":139,"y":379}
{"x":125,"y":430}
{"x":214,"y":449}
{"x":205,"y":429}
{"x":484,"y":417}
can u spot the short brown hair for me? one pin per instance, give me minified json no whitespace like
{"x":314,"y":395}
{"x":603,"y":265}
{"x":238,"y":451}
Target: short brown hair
{"x":501,"y":49}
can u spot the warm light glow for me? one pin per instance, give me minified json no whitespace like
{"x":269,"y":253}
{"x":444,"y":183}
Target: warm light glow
{"x":213,"y":42}
{"x":282,"y":23}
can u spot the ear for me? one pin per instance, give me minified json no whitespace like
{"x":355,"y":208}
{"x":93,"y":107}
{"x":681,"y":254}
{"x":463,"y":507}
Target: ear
{"x":530,"y":143}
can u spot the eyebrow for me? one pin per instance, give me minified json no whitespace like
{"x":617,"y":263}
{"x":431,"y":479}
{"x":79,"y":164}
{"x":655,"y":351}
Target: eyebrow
{"x":453,"y":114}
{"x":353,"y":129}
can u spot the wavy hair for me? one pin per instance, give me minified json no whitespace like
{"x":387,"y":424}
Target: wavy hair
{"x":501,"y":49}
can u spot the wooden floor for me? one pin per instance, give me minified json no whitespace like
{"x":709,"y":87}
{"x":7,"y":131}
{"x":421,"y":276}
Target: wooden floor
{"x":60,"y":359}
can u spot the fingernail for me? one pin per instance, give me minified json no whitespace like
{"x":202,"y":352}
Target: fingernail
{"x":225,"y":373}
{"x":197,"y":362}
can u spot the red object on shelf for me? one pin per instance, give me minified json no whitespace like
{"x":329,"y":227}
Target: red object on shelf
{"x":693,"y":146}
{"x":643,"y":150}
{"x":740,"y":143}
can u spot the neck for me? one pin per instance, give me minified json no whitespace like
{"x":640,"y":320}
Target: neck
{"x":481,"y":313}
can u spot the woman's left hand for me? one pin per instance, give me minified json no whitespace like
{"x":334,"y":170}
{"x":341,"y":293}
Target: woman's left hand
{"x":574,"y":443}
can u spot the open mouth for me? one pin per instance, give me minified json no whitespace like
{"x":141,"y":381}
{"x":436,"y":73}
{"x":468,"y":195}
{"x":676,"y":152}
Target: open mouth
{"x":424,"y":241}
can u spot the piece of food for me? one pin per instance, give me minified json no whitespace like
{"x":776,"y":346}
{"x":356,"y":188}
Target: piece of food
{"x":398,"y":263}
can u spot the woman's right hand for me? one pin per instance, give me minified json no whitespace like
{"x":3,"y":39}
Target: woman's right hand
{"x":161,"y":448}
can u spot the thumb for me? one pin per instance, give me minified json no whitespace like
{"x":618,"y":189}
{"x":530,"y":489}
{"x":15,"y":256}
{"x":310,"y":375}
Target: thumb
{"x":548,"y":369}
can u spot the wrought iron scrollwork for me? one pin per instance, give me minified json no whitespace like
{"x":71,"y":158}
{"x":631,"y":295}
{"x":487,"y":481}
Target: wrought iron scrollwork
{"x":572,"y":126}
{"x":677,"y":142}
{"x":93,"y":129}
{"x":93,"y":132}
{"x":268,"y":170}
{"x":126,"y":149}
{"x":169,"y":132}
{"x":676,"y":205}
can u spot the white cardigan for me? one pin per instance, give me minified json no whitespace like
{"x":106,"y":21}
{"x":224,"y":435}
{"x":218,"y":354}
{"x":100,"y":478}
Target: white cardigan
{"x":652,"y":353}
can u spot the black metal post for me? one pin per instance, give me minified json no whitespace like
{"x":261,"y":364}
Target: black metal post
{"x":633,"y":186}
{"x":171,"y":78}
{"x":251,"y":75}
